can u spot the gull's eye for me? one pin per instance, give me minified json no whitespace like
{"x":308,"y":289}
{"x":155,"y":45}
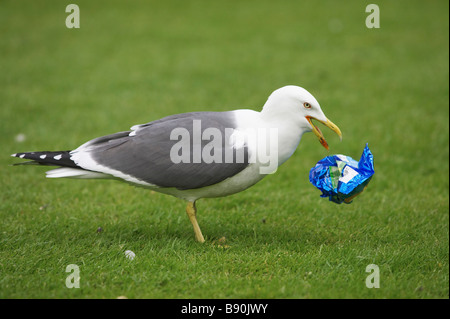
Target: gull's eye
{"x":307,"y":105}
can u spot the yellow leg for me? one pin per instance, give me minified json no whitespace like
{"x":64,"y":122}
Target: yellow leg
{"x":192,"y":214}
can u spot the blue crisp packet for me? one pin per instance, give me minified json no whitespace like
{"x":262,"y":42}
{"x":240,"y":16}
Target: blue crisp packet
{"x":341,"y":178}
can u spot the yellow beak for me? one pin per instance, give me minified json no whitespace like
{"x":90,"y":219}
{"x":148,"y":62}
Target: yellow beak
{"x":319,"y":134}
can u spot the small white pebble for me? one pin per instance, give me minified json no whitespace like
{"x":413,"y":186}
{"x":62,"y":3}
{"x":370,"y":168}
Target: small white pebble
{"x":20,"y":138}
{"x":129,"y":254}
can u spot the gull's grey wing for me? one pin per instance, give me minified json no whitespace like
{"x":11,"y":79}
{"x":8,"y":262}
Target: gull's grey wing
{"x":145,"y":152}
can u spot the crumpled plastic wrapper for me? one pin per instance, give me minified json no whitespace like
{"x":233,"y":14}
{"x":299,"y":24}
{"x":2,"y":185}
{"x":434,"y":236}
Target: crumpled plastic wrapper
{"x":341,"y":178}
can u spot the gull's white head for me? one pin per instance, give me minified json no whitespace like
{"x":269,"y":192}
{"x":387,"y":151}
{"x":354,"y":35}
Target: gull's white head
{"x":294,"y":103}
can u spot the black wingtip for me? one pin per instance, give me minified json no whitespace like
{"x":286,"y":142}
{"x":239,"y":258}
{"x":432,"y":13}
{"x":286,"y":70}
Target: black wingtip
{"x":61,"y":158}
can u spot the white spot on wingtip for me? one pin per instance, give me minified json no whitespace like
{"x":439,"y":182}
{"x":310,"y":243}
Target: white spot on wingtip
{"x":22,"y":156}
{"x":43,"y":156}
{"x":133,"y":133}
{"x":14,"y":155}
{"x":57,"y":157}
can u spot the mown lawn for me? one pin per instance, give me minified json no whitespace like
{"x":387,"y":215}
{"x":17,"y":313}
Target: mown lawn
{"x":133,"y":62}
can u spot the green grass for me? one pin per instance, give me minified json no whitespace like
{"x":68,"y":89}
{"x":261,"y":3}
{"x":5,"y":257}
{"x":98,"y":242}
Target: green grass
{"x":136,"y":62}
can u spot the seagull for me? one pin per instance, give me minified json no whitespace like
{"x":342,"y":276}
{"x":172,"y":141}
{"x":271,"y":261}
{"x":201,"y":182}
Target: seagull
{"x":198,"y":154}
